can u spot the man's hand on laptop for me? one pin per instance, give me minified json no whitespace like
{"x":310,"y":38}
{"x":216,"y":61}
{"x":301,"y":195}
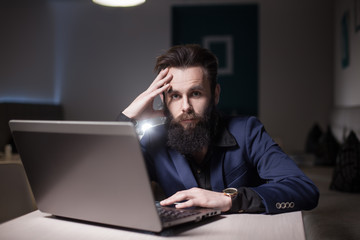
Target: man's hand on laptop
{"x":197,"y":197}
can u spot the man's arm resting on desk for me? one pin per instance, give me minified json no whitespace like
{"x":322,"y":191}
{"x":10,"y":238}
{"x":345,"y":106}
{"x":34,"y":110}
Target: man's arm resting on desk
{"x":245,"y":201}
{"x":286,"y":188}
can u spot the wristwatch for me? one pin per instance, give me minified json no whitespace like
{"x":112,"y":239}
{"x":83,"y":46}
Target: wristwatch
{"x":230,"y":192}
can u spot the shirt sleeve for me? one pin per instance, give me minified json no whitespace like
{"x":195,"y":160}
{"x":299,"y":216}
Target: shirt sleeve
{"x":247,"y":201}
{"x":122,"y":118}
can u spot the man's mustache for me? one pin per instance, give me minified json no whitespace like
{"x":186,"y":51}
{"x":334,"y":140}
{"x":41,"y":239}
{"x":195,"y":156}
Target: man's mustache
{"x":187,"y":116}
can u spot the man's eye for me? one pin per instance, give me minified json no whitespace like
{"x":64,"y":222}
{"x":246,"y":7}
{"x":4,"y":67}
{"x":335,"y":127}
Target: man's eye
{"x":175,"y":96}
{"x":196,"y":94}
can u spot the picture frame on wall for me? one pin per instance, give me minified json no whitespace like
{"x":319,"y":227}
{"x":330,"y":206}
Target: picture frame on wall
{"x":357,"y":15}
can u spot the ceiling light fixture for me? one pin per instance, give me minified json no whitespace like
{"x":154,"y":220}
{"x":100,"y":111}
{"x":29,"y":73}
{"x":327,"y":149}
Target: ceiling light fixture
{"x":119,"y":3}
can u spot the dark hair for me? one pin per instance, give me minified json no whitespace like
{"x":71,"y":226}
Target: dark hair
{"x":190,"y":55}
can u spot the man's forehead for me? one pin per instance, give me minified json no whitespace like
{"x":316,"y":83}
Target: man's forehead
{"x":192,"y":77}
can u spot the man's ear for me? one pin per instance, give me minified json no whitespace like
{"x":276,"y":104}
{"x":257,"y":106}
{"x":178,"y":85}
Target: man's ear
{"x":217,"y":94}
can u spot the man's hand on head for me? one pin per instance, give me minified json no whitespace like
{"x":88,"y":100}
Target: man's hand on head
{"x":142,"y":106}
{"x":197,"y":197}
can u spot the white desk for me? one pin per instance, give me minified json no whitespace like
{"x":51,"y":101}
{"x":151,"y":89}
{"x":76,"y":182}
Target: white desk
{"x":37,"y":225}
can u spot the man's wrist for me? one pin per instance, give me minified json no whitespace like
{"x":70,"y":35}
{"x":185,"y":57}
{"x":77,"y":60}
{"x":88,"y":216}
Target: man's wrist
{"x":128,"y":114}
{"x":228,"y":203}
{"x":231,"y":195}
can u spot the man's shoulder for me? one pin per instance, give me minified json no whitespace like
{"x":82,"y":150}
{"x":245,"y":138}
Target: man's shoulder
{"x":236,"y":121}
{"x":242,"y":124}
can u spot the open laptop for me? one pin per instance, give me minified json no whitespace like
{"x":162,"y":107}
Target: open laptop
{"x":93,"y":171}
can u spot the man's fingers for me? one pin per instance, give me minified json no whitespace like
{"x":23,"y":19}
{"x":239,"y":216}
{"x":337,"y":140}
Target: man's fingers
{"x":182,"y":199}
{"x":162,"y":78}
{"x":171,"y":200}
{"x":158,"y":91}
{"x":177,"y":197}
{"x":162,"y":82}
{"x":163,"y":74}
{"x":186,"y":204}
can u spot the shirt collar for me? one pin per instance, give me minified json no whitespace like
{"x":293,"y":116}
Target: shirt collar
{"x":224,"y":138}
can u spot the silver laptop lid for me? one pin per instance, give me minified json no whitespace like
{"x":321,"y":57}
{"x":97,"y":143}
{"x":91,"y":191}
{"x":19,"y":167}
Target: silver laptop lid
{"x":91,"y":171}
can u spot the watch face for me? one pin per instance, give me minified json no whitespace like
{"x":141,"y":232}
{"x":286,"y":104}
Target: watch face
{"x":230,"y":191}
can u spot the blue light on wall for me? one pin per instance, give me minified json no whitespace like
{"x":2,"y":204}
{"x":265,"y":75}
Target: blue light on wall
{"x":21,"y":99}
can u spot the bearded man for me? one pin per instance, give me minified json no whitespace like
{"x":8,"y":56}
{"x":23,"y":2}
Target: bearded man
{"x":201,"y":158}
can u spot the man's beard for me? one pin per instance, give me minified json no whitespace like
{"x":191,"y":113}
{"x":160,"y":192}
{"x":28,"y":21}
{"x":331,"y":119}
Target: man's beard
{"x":193,"y":138}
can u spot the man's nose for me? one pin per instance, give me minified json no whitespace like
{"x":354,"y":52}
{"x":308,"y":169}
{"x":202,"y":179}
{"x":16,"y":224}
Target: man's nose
{"x":186,"y":105}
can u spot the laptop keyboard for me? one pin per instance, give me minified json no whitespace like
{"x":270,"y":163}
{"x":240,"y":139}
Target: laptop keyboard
{"x":170,"y":214}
